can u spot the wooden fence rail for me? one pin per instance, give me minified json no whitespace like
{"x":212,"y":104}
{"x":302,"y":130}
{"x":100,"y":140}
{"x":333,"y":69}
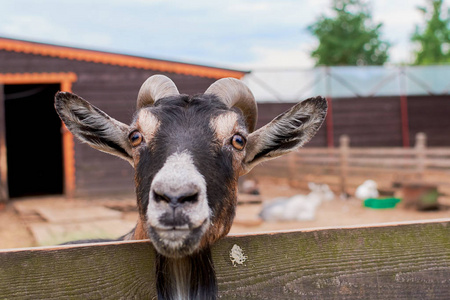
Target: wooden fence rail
{"x":395,"y":261}
{"x":345,"y":168}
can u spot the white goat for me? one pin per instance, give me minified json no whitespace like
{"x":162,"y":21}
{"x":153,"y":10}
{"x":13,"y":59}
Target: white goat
{"x":298,"y":207}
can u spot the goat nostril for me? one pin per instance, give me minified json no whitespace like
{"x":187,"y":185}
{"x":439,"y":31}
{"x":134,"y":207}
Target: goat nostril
{"x":191,"y":199}
{"x":175,"y":200}
{"x":158,"y":197}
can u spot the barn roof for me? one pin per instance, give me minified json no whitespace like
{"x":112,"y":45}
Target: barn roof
{"x":116,"y":59}
{"x":347,"y":82}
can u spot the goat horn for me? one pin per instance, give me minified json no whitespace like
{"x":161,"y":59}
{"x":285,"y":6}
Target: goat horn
{"x":234,"y":93}
{"x":155,"y":88}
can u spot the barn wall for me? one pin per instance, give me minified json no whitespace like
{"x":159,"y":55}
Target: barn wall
{"x":111,"y":88}
{"x":370,"y":122}
{"x":430,"y":115}
{"x":376,"y":122}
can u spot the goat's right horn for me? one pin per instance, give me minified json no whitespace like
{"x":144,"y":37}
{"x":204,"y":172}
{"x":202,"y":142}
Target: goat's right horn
{"x":234,"y":93}
{"x":155,"y":88}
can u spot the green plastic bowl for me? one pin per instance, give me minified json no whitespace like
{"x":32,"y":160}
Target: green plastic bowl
{"x":380,"y":203}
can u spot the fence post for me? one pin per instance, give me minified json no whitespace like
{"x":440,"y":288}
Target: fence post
{"x":420,"y":147}
{"x":344,"y":146}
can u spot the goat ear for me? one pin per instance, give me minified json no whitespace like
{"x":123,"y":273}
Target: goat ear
{"x":287,"y":132}
{"x":92,"y":126}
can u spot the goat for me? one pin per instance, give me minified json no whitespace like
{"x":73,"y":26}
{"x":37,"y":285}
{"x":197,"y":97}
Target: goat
{"x":188,"y":152}
{"x":298,"y":207}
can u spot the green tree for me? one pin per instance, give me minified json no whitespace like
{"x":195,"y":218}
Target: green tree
{"x":434,"y":38}
{"x":349,"y":37}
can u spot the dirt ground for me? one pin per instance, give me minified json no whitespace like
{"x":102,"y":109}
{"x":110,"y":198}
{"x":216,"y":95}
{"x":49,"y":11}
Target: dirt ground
{"x":15,"y":221}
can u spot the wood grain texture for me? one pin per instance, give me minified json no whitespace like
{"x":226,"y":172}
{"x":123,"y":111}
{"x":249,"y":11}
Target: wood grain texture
{"x":104,"y":271}
{"x":401,"y":261}
{"x":405,"y":261}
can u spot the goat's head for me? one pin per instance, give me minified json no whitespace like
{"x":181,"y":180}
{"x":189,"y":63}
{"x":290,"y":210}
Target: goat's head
{"x":188,"y":153}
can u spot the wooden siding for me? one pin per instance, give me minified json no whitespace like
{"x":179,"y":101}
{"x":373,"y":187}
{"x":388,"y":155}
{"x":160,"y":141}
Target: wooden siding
{"x":376,"y":122}
{"x":369,"y":122}
{"x":430,"y":115}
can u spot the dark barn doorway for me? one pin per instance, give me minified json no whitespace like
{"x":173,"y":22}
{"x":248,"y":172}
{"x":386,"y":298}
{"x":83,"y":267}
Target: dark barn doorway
{"x":33,"y":140}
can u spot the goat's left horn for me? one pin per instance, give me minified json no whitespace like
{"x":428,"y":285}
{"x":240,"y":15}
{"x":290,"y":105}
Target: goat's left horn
{"x":234,"y":93}
{"x":155,"y":88}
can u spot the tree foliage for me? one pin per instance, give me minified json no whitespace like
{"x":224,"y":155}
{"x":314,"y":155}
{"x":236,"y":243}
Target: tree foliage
{"x":434,"y":37}
{"x":350,"y":37}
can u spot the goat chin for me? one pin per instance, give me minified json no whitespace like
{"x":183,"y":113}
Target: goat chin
{"x":189,"y":277}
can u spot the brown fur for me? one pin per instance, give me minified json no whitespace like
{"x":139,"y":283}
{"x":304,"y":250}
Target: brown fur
{"x":224,"y":220}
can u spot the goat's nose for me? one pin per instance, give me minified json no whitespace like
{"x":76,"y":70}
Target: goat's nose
{"x":175,"y":200}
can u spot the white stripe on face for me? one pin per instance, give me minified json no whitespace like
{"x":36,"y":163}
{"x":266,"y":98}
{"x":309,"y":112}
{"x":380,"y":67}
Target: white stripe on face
{"x":178,"y":178}
{"x":224,"y":125}
{"x":148,"y":124}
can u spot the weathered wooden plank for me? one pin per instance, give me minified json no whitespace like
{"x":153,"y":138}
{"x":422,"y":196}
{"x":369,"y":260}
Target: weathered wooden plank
{"x":403,"y":261}
{"x":407,"y":260}
{"x":383,"y":162}
{"x":105,"y":271}
{"x":438,"y":151}
{"x":439,"y":163}
{"x":382,"y":151}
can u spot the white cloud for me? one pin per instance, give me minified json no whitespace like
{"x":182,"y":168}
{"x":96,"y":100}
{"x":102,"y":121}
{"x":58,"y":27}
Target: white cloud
{"x":265,"y":57}
{"x":35,"y":27}
{"x":32,"y":26}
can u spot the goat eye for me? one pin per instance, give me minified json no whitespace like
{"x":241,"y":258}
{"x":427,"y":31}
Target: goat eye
{"x":238,"y":141}
{"x":135,"y":138}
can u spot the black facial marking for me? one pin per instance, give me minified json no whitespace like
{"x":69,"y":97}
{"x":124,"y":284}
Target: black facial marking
{"x":174,"y":218}
{"x":145,"y":171}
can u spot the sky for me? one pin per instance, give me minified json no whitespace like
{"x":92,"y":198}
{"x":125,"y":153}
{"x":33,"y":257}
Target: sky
{"x":237,"y":34}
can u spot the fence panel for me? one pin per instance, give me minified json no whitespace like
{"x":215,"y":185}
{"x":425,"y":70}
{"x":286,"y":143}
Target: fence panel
{"x":407,"y":260}
{"x":345,"y":168}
